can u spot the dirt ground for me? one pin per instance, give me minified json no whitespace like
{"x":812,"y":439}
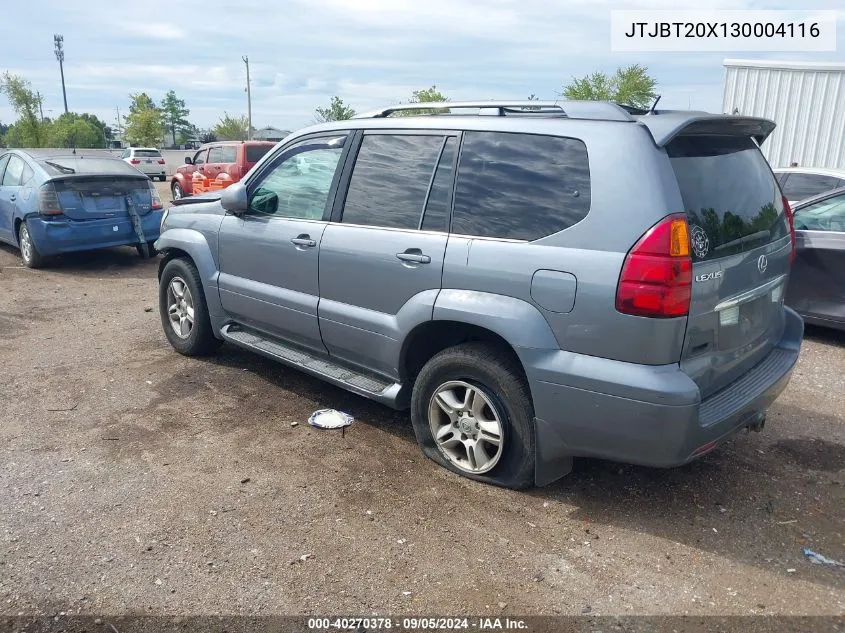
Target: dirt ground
{"x":133,"y":479}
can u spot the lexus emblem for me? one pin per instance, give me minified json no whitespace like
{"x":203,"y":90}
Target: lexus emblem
{"x":762,"y":263}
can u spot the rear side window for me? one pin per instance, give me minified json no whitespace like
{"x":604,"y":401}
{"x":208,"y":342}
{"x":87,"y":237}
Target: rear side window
{"x":730,"y":195}
{"x":802,"y":186}
{"x":520,"y":186}
{"x":27,"y":174}
{"x":390,"y":180}
{"x":255,"y":152}
{"x":147,"y":153}
{"x":225,"y":154}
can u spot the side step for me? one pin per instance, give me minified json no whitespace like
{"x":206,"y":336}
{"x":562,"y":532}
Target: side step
{"x":367,"y":385}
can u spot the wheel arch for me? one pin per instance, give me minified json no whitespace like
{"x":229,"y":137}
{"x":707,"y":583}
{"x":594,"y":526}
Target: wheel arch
{"x":192,"y":245}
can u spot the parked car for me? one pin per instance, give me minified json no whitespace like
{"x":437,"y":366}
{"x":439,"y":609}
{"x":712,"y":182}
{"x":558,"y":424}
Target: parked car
{"x":817,"y":285}
{"x":233,"y":158}
{"x":53,"y":203}
{"x":523,"y":283}
{"x":802,"y":183}
{"x":147,"y":160}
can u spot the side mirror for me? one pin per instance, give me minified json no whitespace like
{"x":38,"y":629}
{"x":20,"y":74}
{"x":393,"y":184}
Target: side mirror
{"x":234,"y":199}
{"x":188,"y":160}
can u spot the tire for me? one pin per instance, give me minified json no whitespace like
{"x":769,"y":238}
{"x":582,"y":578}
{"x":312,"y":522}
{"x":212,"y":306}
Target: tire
{"x":482,"y":369}
{"x":177,"y":192}
{"x":29,"y":252}
{"x":163,"y":178}
{"x":198,"y":339}
{"x":151,"y":251}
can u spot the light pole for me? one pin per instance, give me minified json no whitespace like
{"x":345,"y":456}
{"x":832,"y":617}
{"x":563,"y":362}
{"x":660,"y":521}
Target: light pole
{"x":60,"y":55}
{"x":248,"y":100}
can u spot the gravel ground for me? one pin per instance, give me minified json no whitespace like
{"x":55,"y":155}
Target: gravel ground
{"x":133,"y":479}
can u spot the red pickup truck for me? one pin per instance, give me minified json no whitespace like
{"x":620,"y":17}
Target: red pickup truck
{"x":233,"y":158}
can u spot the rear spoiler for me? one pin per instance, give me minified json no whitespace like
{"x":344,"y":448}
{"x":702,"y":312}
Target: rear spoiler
{"x":665,"y":127}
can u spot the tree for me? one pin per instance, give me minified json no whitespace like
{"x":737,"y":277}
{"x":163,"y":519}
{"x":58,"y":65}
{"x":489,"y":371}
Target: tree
{"x":175,"y":116}
{"x":143,"y":123}
{"x":337,"y":111}
{"x":629,"y":86}
{"x":426,"y":95}
{"x":105,"y":130}
{"x":75,"y":130}
{"x":208,"y":137}
{"x":231,"y":128}
{"x":28,"y":130}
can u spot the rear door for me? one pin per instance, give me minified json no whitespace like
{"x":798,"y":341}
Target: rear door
{"x":8,"y":195}
{"x":741,"y":250}
{"x":817,"y":283}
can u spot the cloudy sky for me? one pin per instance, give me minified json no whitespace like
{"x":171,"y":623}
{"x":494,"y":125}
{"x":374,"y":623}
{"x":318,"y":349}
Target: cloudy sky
{"x":370,"y":52}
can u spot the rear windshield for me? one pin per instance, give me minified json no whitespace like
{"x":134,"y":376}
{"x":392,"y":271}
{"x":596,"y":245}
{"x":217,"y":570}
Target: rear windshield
{"x":255,"y":152}
{"x":61,"y":166}
{"x":147,"y":153}
{"x":730,"y":195}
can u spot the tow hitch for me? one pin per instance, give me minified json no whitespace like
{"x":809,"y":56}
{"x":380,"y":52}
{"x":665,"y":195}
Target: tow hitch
{"x":758,"y":423}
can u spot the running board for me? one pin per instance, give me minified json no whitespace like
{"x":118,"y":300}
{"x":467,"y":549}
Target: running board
{"x":367,"y":385}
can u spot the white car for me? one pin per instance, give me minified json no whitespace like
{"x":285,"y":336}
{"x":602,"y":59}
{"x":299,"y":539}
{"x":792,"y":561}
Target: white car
{"x":801,"y":183}
{"x":147,"y":160}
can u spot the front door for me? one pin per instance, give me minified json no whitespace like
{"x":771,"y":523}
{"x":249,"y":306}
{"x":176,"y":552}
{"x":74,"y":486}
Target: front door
{"x":269,"y":255}
{"x":10,"y":189}
{"x":381,"y":260}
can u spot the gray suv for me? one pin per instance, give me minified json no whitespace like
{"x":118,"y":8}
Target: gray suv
{"x":533,"y":280}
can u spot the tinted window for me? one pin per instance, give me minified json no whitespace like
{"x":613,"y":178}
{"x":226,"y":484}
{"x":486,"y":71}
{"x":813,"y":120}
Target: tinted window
{"x":255,"y":152}
{"x":803,"y":186}
{"x":732,"y":200}
{"x":520,"y":186}
{"x":59,"y":165}
{"x":440,"y":197}
{"x":782,"y":176}
{"x":147,"y":153}
{"x":299,"y":185}
{"x":14,"y":170}
{"x":390,"y":180}
{"x":225,"y":154}
{"x":826,"y":215}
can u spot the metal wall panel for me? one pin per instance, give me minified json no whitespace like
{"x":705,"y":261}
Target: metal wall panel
{"x":806,"y":100}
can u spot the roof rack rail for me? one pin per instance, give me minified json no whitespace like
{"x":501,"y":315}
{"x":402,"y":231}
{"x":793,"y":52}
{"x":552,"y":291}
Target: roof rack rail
{"x":571,"y":109}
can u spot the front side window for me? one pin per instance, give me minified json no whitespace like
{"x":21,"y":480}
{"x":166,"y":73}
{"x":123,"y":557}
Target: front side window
{"x":298,"y":186}
{"x":826,"y":215}
{"x":14,"y":171}
{"x":199,"y":157}
{"x":4,"y":160}
{"x":520,"y":186}
{"x":390,"y":180}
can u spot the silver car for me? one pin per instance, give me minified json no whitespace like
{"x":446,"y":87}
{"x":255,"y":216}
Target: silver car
{"x":533,"y":281}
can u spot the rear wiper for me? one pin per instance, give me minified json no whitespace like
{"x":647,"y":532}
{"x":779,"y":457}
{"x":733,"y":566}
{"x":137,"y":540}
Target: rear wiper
{"x":62,"y":168}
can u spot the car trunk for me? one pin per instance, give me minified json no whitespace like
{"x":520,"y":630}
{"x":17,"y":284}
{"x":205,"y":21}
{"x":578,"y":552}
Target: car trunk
{"x":741,"y":253}
{"x":89,"y":197}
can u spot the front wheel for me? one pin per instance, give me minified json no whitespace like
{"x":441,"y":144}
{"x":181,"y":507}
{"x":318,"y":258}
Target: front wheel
{"x":29,"y":253}
{"x":183,"y":310}
{"x":472,"y":413}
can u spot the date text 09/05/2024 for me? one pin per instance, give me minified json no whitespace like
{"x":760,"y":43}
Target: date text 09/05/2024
{"x":722,"y":29}
{"x":417,"y":624}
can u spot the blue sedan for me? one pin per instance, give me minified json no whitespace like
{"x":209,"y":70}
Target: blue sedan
{"x":59,"y":202}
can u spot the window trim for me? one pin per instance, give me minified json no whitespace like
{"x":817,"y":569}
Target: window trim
{"x":340,"y":199}
{"x":273,"y":161}
{"x":7,"y":156}
{"x":450,"y":205}
{"x":13,"y":156}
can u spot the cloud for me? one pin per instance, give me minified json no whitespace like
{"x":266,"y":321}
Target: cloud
{"x":369,"y":52}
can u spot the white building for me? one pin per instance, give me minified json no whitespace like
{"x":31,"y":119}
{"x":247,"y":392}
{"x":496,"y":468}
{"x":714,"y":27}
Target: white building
{"x":805,"y":99}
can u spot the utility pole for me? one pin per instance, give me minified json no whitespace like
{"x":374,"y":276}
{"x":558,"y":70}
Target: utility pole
{"x":60,"y":55}
{"x":248,"y":100}
{"x":40,"y":105}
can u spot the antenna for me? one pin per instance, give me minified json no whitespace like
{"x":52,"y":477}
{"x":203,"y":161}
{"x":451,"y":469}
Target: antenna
{"x":654,"y":105}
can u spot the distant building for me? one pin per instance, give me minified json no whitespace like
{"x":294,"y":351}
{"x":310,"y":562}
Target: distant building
{"x":269,"y":134}
{"x":805,"y":99}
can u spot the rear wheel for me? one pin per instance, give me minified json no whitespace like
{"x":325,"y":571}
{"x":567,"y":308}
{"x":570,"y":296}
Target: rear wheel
{"x":472,"y":413}
{"x":183,"y":310}
{"x":176,"y":190}
{"x":29,"y":253}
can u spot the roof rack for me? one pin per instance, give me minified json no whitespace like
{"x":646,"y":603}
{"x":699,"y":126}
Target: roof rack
{"x":603,"y":110}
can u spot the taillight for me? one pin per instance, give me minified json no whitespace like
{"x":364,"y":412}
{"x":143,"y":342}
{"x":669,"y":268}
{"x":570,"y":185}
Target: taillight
{"x":135,"y":161}
{"x":161,"y":161}
{"x":788,"y":212}
{"x":48,"y":200}
{"x":656,"y":278}
{"x":155,"y":199}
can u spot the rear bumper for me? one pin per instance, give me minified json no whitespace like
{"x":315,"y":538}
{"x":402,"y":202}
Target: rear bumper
{"x":652,"y":416}
{"x":56,"y":236}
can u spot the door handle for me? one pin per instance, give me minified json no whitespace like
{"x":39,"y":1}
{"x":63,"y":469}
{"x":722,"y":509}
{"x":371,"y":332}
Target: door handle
{"x":415,"y":256}
{"x":12,"y":198}
{"x":304,"y":240}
